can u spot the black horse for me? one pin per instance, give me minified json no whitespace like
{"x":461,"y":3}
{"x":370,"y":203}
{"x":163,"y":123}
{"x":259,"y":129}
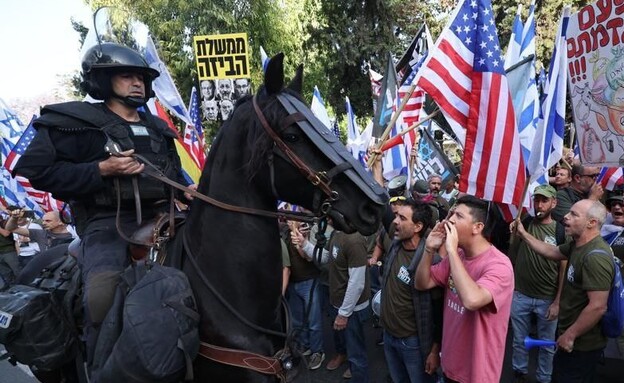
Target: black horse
{"x":238,"y":254}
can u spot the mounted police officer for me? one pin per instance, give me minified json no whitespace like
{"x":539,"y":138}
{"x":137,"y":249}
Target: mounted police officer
{"x":86,"y":154}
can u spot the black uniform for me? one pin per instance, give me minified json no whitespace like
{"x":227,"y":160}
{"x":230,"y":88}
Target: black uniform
{"x":63,"y":159}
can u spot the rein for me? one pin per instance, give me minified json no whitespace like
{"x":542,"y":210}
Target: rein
{"x":281,"y":362}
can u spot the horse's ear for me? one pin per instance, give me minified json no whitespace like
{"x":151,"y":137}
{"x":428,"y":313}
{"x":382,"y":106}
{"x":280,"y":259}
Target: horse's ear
{"x":274,"y":76}
{"x":296,"y":84}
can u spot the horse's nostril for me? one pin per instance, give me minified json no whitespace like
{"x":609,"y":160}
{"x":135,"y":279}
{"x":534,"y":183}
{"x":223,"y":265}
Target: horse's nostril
{"x":369,"y":214}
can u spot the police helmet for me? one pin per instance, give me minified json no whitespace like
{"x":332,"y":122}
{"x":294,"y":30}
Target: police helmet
{"x":397,"y":186}
{"x":104,"y":60}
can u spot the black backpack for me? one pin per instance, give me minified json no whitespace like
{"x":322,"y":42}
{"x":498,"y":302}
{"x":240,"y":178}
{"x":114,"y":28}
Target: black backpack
{"x":36,"y":323}
{"x":151,"y":332}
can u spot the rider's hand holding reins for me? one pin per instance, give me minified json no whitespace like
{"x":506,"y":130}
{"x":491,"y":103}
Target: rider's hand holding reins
{"x":121,"y":164}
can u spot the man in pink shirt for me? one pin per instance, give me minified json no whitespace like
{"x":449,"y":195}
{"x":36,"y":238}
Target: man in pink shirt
{"x":479,"y":284}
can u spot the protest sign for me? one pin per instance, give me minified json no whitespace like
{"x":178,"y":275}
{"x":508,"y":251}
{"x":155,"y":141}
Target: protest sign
{"x":596,"y":78}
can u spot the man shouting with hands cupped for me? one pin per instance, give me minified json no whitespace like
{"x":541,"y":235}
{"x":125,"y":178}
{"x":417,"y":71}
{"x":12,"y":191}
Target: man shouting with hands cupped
{"x":479,"y":283}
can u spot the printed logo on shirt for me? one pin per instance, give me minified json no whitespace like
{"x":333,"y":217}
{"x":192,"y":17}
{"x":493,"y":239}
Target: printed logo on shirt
{"x":403,"y":276}
{"x":551,"y":240}
{"x":571,"y":274}
{"x":451,"y":285}
{"x":139,"y":130}
{"x":619,"y":241}
{"x":335,"y":250}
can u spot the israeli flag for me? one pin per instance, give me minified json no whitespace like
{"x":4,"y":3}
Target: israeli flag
{"x":547,"y":147}
{"x":353,"y":131}
{"x":528,"y":114}
{"x":319,"y":110}
{"x":163,"y":85}
{"x":515,"y":42}
{"x":264,"y":59}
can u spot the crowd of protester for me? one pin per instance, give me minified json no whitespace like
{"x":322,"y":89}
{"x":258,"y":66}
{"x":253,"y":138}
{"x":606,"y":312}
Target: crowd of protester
{"x":23,"y":237}
{"x":456,"y":278}
{"x":447,"y":296}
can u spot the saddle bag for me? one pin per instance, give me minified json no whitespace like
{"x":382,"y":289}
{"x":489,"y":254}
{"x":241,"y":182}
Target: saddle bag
{"x":35,"y":329}
{"x":151,"y":332}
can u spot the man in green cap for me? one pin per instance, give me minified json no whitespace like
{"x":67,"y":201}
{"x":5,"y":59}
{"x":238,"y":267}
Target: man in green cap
{"x":538,"y":283}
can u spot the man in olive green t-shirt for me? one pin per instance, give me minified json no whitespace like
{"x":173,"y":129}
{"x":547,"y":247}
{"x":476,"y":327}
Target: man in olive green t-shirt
{"x":538,"y":285}
{"x":588,"y":279}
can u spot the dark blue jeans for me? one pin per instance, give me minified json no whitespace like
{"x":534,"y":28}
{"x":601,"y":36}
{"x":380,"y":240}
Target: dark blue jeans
{"x":356,"y":343}
{"x":311,"y":335}
{"x":523,"y":309}
{"x":404,"y":359}
{"x":576,"y":366}
{"x":339,"y":337}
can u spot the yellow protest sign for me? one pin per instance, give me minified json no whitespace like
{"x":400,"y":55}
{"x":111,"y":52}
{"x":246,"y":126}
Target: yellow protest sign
{"x":221,"y":56}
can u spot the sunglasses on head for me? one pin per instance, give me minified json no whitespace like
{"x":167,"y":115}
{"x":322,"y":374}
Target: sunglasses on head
{"x":397,"y":198}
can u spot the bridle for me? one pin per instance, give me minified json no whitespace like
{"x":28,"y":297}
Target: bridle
{"x":280,"y":363}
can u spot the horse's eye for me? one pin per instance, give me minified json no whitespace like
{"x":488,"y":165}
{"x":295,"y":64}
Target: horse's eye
{"x":290,"y":137}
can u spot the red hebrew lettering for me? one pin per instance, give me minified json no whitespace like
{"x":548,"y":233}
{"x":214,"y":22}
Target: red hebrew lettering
{"x":571,"y":47}
{"x":613,"y":26}
{"x":586,"y":17}
{"x":585,"y":44}
{"x":600,"y":37}
{"x":604,"y":10}
{"x":619,"y":6}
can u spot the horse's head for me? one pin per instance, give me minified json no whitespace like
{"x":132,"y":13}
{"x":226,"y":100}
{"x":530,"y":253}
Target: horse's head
{"x":307,"y":165}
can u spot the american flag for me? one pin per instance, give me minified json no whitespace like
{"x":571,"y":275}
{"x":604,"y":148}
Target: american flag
{"x":411,"y":110}
{"x":375,"y":79}
{"x":20,"y":147}
{"x":192,"y":139}
{"x":413,"y":107}
{"x":20,"y":184}
{"x":610,"y":178}
{"x":464,"y":75}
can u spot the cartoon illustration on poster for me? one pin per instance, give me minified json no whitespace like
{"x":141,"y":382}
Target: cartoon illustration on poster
{"x":596,"y":78}
{"x":223,"y":71}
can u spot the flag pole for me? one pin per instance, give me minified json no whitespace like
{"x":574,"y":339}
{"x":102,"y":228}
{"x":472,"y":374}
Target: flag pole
{"x":525,"y":191}
{"x":415,"y":125}
{"x":412,"y":164}
{"x":395,"y":116}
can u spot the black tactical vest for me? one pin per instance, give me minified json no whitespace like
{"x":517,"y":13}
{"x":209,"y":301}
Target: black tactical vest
{"x":150,"y":138}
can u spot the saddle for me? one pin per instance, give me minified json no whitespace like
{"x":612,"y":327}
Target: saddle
{"x":151,"y":239}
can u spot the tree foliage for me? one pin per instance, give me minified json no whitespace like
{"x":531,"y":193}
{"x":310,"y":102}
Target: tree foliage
{"x":335,"y":40}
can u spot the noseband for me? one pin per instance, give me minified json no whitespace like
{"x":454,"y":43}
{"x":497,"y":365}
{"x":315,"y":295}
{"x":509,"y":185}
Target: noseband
{"x":320,"y":179}
{"x":281,"y":362}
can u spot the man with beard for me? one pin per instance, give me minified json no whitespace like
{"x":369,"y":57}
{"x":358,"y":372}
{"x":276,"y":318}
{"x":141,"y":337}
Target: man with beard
{"x":589,"y":276}
{"x":583,"y":185}
{"x":412,"y":319}
{"x":537,"y":288}
{"x":241,"y":88}
{"x":226,"y":107}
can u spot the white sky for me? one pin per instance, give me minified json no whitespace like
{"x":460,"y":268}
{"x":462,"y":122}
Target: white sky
{"x":38,"y":44}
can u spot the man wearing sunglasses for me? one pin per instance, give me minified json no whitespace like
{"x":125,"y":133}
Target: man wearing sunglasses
{"x":613,"y":232}
{"x":583,"y":186}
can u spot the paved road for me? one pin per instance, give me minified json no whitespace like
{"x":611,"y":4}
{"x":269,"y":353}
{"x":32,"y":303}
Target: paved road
{"x":612,"y":371}
{"x":11,"y":374}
